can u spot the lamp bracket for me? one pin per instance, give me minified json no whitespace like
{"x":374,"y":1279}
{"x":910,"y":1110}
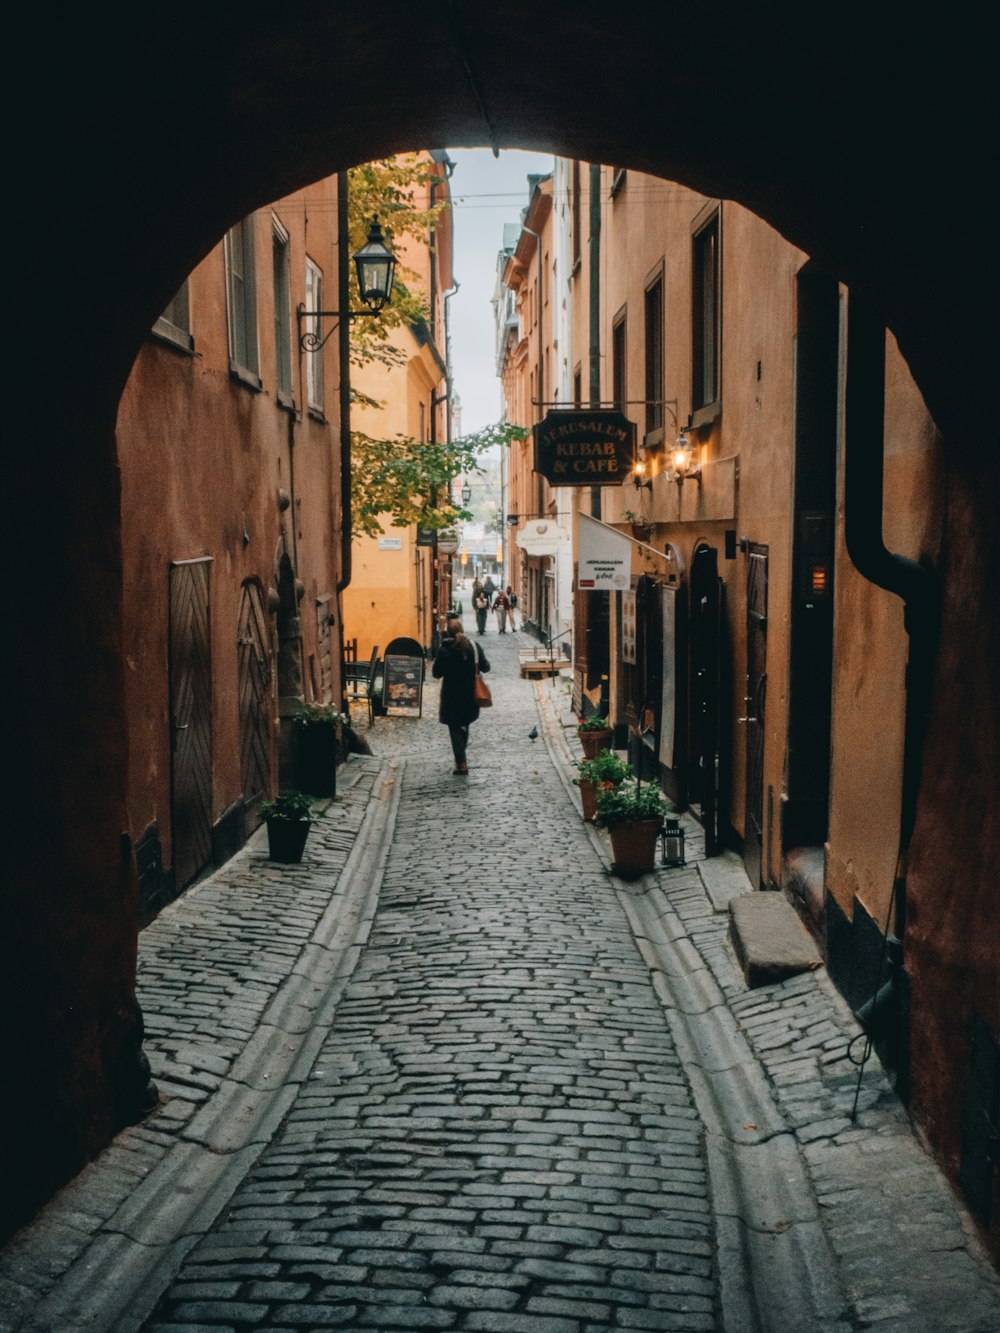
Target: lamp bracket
{"x":312,"y":342}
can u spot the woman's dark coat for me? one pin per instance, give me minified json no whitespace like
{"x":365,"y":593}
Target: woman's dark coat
{"x":457,"y":674}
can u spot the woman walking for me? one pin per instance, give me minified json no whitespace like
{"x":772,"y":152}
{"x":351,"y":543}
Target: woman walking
{"x":511,"y":608}
{"x":455,"y":667}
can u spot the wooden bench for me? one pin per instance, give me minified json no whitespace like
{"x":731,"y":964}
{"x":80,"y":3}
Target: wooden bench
{"x":538,"y":662}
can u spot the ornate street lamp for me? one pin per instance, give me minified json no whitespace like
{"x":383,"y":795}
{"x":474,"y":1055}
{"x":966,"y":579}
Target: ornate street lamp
{"x":376,"y":267}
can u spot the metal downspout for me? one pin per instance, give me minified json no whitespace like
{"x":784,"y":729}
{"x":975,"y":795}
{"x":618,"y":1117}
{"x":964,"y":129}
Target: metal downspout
{"x":344,"y":348}
{"x":914,"y":583}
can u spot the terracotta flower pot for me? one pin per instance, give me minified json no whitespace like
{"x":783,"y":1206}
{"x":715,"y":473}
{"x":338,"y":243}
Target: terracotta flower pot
{"x":634,"y":847}
{"x":594,"y":741}
{"x":588,"y":799}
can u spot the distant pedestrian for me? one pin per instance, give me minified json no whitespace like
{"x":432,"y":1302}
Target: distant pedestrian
{"x":511,"y":608}
{"x":489,"y":588}
{"x":501,"y":605}
{"x":455,"y":667}
{"x":481,"y":606}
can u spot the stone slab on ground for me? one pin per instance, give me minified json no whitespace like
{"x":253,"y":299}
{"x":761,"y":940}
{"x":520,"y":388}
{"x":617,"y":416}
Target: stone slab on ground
{"x":724,"y":879}
{"x":771,"y":942}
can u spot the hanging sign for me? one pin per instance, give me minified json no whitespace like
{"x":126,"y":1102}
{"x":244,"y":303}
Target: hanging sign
{"x":542,"y":536}
{"x":447,"y":541}
{"x":403,"y":686}
{"x":582,"y":448}
{"x":605,"y":557}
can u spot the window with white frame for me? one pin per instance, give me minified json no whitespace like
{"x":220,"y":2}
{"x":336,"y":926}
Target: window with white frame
{"x":313,"y":324}
{"x":241,"y":278}
{"x":174,"y":325}
{"x":282,"y":300}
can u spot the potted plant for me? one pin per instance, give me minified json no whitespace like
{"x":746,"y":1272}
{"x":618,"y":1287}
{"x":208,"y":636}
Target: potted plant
{"x":594,"y":733}
{"x":633,"y":814}
{"x":604,"y":770}
{"x":316,"y":733}
{"x":288,"y":824}
{"x":642,"y":529}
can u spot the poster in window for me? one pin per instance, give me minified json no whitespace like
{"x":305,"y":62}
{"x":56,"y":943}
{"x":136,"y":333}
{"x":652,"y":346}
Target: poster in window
{"x":404,"y":685}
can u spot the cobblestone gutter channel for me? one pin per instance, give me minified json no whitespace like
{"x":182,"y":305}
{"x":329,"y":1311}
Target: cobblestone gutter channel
{"x":820,"y":1222}
{"x":235,"y":1019}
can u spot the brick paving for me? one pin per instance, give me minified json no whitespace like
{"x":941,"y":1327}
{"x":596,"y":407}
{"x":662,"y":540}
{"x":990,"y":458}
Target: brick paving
{"x":497,"y":1134}
{"x":519,"y":1096}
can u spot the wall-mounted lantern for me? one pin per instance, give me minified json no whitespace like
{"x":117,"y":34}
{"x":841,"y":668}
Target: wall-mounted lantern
{"x":682,"y":461}
{"x":376,"y":266}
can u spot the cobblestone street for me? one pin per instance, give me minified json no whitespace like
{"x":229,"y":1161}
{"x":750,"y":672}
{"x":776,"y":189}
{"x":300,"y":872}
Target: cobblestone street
{"x":451,"y":1074}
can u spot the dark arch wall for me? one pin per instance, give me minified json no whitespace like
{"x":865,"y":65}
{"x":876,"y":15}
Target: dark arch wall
{"x":152,"y":128}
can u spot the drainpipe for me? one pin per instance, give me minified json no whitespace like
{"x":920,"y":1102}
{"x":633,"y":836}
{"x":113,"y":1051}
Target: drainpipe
{"x":909,"y":580}
{"x":344,"y":348}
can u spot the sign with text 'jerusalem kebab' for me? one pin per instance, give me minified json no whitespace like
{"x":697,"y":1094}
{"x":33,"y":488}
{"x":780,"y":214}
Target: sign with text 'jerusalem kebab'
{"x":584,"y":448}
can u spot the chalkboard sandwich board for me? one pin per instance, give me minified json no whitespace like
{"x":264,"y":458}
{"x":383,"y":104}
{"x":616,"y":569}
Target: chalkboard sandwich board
{"x":403,"y":688}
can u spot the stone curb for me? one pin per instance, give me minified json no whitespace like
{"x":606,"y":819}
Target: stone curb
{"x":114,"y":1284}
{"x":775,"y":1268}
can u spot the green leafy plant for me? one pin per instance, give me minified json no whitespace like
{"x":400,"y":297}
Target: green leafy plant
{"x":313,"y":715}
{"x":409,"y":481}
{"x":605,"y":769}
{"x":629,"y":803}
{"x":594,"y":723}
{"x":291,"y":805}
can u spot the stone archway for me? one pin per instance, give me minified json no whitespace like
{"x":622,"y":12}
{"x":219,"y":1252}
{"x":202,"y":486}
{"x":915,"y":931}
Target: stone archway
{"x":164,"y":130}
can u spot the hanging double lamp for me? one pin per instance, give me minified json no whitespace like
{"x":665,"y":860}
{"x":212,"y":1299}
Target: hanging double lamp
{"x":376,"y":266}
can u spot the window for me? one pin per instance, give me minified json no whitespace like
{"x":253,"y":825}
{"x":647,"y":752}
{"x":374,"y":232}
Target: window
{"x":282,"y":302}
{"x":241,"y":278}
{"x":654,"y":355}
{"x":314,"y":324}
{"x":578,"y":387}
{"x":706,"y":312}
{"x":174,"y":325}
{"x":618,"y":387}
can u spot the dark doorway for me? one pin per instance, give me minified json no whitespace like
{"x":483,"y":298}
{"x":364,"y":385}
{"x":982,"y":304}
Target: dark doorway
{"x":805,"y":810}
{"x":755,"y":699}
{"x":706,"y":641}
{"x":190,"y":719}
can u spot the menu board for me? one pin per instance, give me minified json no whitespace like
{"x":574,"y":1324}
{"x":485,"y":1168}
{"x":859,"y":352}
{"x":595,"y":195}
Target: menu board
{"x":403,"y":686}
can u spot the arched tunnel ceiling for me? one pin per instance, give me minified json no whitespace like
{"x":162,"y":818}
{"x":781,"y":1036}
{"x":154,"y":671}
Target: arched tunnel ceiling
{"x":828,"y":121}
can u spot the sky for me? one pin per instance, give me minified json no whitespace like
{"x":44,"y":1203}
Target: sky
{"x":486,"y":192}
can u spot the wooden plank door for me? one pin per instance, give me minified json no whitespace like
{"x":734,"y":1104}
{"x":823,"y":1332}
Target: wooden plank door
{"x":256,"y":705}
{"x":190,"y":719}
{"x":756,"y":700}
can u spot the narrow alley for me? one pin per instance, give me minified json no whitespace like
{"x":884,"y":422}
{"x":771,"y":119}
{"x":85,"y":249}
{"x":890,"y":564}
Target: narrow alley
{"x":449,"y":1073}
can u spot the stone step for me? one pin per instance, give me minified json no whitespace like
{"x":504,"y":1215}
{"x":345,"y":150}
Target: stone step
{"x":771,"y":942}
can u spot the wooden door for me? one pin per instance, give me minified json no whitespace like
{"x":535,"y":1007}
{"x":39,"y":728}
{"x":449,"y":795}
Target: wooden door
{"x":706,"y":639}
{"x":190,"y":719}
{"x":255,"y":702}
{"x":756,"y":700}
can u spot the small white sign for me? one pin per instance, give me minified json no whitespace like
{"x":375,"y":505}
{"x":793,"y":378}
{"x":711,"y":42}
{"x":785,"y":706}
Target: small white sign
{"x":541,"y":537}
{"x":605,"y":557}
{"x":390,"y":543}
